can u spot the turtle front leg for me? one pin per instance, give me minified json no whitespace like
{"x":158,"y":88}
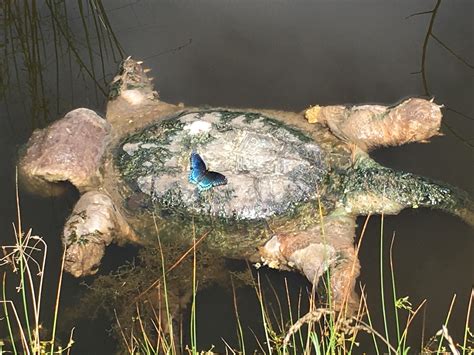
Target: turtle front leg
{"x":69,"y":150}
{"x":327,"y":246}
{"x":94,"y":223}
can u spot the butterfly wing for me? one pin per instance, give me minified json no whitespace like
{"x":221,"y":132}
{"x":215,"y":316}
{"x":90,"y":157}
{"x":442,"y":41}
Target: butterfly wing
{"x":198,"y":168}
{"x":211,"y":179}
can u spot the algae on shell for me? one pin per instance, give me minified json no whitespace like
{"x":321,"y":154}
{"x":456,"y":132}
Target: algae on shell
{"x":270,"y":167}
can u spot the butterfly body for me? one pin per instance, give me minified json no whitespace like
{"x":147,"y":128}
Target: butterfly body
{"x":203,"y":178}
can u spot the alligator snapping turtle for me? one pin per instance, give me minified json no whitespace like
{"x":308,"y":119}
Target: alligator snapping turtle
{"x":277,"y":188}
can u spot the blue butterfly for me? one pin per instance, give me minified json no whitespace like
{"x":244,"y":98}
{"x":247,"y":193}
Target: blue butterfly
{"x":203,"y":178}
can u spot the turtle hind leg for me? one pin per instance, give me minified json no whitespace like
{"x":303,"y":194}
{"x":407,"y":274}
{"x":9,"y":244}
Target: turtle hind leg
{"x":327,"y":248}
{"x":340,"y":282}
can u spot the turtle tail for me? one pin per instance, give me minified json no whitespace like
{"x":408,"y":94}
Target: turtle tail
{"x":372,"y":188}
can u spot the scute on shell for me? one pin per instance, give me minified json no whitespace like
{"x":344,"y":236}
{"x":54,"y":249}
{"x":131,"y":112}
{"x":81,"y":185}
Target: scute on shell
{"x":270,"y":167}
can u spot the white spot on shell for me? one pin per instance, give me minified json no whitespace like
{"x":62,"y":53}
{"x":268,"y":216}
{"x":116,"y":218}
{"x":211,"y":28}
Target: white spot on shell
{"x":148,"y":145}
{"x":198,"y":127}
{"x":131,"y":148}
{"x":145,"y":183}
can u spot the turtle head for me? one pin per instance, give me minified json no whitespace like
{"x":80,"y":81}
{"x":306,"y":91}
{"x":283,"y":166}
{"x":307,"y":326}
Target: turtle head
{"x":132,"y":83}
{"x":133,"y":101}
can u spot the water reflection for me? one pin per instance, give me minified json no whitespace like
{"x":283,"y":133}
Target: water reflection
{"x":48,"y":47}
{"x":59,"y":56}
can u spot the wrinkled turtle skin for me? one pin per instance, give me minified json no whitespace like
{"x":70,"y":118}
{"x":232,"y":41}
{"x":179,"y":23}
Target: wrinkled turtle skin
{"x":295,"y":181}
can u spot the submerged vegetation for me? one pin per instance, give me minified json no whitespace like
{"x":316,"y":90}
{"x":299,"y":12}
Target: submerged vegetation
{"x":146,"y":308}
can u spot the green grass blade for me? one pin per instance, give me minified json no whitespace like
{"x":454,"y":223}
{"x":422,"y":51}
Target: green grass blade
{"x":382,"y":293}
{"x":394,"y":293}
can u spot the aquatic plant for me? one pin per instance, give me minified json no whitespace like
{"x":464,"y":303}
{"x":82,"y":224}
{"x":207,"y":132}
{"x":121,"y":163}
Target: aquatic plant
{"x":32,"y":30}
{"x":306,"y":327}
{"x":25,"y":263}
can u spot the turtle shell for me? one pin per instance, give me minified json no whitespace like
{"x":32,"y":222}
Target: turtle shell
{"x":269,"y":167}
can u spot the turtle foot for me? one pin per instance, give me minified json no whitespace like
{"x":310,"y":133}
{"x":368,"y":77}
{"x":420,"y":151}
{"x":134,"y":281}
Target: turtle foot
{"x":325,"y":248}
{"x":94,"y":223}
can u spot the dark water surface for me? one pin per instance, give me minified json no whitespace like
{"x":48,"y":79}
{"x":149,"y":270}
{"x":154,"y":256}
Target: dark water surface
{"x":268,"y":54}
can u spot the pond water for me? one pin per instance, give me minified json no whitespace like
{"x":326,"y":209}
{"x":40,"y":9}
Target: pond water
{"x":267,"y":54}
